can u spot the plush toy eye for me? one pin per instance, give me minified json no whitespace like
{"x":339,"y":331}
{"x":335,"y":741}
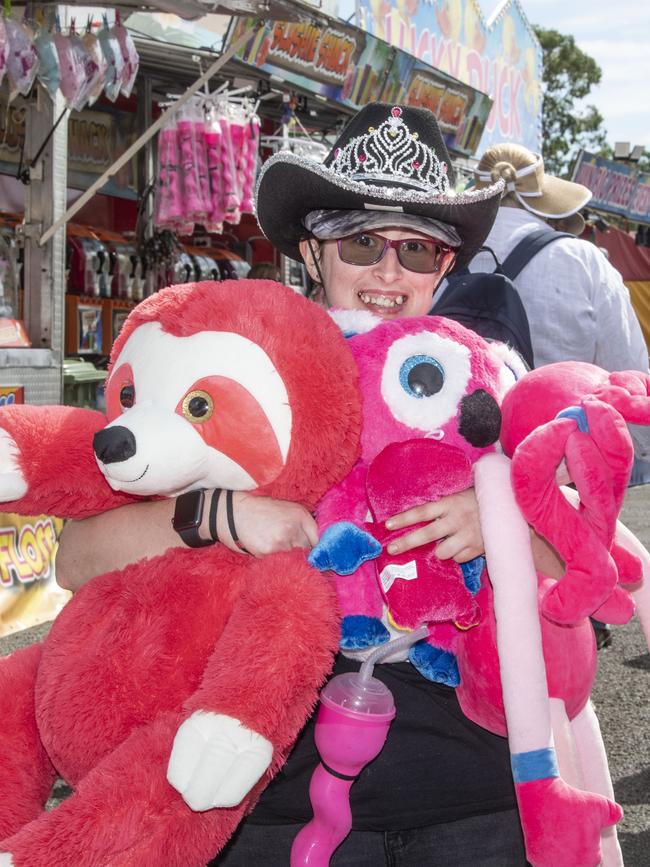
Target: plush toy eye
{"x":198,"y":406}
{"x":127,"y":396}
{"x":421,"y":376}
{"x":424,"y":378}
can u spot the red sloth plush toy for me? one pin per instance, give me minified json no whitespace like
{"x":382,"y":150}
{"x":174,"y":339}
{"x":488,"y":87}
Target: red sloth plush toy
{"x":175,"y":687}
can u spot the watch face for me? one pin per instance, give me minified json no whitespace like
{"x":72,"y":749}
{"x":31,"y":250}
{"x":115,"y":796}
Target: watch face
{"x":188,"y":511}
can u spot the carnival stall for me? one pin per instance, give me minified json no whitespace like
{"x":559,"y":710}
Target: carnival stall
{"x":130,"y":145}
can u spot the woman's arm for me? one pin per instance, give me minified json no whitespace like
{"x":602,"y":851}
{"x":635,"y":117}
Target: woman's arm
{"x":113,"y":539}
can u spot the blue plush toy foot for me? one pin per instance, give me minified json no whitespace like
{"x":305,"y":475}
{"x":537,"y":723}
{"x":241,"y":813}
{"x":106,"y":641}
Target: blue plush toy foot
{"x":435,"y":664}
{"x":472,"y":571}
{"x":343,"y":547}
{"x":359,"y":632}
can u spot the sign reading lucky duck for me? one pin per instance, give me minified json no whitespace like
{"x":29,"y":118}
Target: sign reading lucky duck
{"x":500,"y":57}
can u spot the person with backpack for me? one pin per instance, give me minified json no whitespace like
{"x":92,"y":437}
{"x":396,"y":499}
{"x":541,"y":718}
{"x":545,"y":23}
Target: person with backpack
{"x":575,"y":301}
{"x":577,"y":305}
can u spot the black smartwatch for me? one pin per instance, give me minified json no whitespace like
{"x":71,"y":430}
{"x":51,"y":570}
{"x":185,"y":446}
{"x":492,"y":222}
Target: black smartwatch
{"x":188,"y":515}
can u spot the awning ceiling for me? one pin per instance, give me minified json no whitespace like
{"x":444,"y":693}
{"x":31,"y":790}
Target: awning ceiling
{"x":277,"y":10}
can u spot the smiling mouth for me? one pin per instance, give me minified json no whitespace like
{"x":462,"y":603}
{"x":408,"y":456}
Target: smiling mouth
{"x":131,"y":481}
{"x":386,"y":302}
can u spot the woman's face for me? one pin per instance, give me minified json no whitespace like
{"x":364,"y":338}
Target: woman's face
{"x":385,"y":288}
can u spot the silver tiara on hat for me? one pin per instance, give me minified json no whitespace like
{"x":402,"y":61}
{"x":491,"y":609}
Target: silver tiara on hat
{"x":391,"y":152}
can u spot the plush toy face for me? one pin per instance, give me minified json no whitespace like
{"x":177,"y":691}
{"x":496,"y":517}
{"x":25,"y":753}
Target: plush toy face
{"x":230,"y":385}
{"x":429,"y":377}
{"x":219,"y":416}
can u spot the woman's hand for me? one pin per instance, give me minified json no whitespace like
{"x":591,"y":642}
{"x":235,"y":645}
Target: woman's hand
{"x":453,"y":519}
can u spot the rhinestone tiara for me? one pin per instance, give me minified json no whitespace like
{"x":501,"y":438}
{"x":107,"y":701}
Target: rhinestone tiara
{"x":391,"y":152}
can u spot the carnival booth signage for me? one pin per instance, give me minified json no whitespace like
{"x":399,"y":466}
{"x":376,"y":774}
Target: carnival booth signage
{"x":346,"y":65}
{"x":338,"y":62}
{"x":616,"y":188}
{"x":96,"y":137}
{"x":28,"y":592}
{"x":501,"y":57}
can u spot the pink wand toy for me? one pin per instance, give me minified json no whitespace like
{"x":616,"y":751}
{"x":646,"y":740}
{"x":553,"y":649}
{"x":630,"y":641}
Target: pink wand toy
{"x":355,"y":713}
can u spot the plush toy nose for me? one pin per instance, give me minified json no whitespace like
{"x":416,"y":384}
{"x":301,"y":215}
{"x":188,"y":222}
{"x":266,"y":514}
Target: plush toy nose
{"x":480,"y":419}
{"x":114,"y":444}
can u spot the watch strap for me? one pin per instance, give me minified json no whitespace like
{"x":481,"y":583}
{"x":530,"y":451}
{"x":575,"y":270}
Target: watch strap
{"x":214,"y":506}
{"x":231,"y":522}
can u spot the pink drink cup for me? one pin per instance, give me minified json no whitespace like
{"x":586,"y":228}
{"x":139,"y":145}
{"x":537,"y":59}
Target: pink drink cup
{"x":351,"y":728}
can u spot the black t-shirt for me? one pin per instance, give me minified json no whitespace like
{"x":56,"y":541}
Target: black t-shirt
{"x":436,"y":765}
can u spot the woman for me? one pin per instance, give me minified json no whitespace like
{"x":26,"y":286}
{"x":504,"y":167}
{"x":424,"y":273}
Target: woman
{"x":378,"y":226}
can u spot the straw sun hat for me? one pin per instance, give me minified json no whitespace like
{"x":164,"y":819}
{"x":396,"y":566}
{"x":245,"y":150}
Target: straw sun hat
{"x":544,"y":195}
{"x":389,"y":160}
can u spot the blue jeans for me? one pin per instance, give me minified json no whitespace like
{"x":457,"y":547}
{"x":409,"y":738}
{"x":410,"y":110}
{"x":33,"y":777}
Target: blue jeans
{"x":493,"y":840}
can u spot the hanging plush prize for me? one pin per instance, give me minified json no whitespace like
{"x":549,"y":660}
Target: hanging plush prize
{"x":49,"y":68}
{"x":129,"y":56}
{"x":22,"y":62}
{"x":93,"y":48}
{"x":114,"y":60}
{"x":88,"y":69}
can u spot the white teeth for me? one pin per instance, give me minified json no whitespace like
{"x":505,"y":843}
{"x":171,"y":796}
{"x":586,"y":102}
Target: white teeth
{"x":382,"y":300}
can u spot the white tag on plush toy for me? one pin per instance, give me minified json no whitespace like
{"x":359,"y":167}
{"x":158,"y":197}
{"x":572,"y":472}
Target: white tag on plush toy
{"x":406,"y":571}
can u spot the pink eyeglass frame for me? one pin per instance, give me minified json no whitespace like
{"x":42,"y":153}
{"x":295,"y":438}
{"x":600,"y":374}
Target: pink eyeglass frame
{"x":396,"y":245}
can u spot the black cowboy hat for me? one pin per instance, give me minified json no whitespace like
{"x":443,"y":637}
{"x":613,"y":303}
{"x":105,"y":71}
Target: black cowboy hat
{"x":388,"y":158}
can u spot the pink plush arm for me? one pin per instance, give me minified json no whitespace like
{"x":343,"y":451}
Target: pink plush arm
{"x":47,"y":463}
{"x":514,"y":581}
{"x":561,"y":824}
{"x":346,"y":501}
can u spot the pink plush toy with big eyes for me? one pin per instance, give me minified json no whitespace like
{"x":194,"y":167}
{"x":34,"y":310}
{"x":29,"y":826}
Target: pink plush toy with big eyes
{"x":517,"y":645}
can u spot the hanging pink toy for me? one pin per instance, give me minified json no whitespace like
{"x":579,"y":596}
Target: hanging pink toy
{"x":230,"y":192}
{"x":251,"y":141}
{"x":194,"y":207}
{"x":202,"y":165}
{"x":212,"y":136}
{"x":169,"y":203}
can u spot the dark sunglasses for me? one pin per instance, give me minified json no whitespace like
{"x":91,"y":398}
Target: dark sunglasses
{"x":422,"y":255}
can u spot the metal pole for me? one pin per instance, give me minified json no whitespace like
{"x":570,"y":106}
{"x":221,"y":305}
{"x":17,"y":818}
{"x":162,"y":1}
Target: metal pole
{"x":153,"y":129}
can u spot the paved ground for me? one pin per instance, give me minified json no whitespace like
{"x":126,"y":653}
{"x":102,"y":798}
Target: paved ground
{"x":622,"y":701}
{"x":621,"y":697}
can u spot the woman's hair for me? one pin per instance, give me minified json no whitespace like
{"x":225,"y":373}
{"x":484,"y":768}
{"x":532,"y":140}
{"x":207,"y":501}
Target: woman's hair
{"x":264,"y":271}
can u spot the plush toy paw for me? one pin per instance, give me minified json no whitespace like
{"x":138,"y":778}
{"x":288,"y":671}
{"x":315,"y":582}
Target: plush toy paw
{"x":472,"y":571}
{"x":12,"y":482}
{"x":6,"y":860}
{"x":215,"y":760}
{"x":343,"y":547}
{"x":561,"y":824}
{"x":435,"y":664}
{"x":359,"y":632}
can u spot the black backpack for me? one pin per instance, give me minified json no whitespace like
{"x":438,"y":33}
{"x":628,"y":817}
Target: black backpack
{"x":488,"y":302}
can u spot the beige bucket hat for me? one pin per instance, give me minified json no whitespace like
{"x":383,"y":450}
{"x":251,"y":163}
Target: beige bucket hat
{"x":544,"y":195}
